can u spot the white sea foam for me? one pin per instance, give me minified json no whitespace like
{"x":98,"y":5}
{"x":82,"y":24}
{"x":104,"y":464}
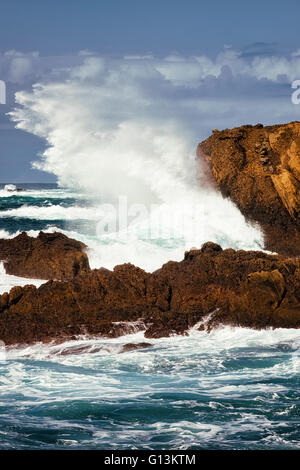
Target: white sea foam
{"x":180,"y":381}
{"x":57,"y":193}
{"x":135,"y":246}
{"x":7,"y":281}
{"x":10,"y":187}
{"x":218,"y":342}
{"x":4,"y":234}
{"x":52,"y":212}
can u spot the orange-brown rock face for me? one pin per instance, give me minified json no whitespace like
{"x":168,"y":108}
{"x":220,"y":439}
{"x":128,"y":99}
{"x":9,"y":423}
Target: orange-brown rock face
{"x":259,"y":169}
{"x":239,"y":288}
{"x":49,"y":256}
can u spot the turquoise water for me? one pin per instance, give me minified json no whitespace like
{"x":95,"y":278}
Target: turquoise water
{"x":231,"y":389}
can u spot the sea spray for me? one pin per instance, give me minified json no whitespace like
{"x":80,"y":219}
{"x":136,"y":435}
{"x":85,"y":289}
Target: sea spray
{"x":110,"y":136}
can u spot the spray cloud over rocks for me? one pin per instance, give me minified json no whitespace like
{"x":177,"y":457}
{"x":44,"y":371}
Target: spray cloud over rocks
{"x":128,"y":129}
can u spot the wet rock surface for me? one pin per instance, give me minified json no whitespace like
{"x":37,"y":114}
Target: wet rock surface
{"x":134,"y":346}
{"x":258,"y":168}
{"x":49,"y":256}
{"x":241,"y":288}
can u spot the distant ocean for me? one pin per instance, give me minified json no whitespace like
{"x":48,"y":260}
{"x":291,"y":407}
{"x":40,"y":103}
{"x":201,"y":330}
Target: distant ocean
{"x":231,"y":389}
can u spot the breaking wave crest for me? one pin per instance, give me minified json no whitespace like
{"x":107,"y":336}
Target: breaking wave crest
{"x":107,"y":142}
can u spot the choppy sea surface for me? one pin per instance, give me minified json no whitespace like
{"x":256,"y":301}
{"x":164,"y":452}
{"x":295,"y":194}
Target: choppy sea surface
{"x":231,"y":389}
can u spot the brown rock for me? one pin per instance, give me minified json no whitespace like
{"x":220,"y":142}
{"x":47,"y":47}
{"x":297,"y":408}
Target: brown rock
{"x":49,"y":256}
{"x":134,"y":346}
{"x":78,"y":350}
{"x":243,"y":288}
{"x":259,"y":169}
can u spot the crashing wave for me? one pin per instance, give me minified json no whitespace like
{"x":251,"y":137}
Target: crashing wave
{"x":12,"y":188}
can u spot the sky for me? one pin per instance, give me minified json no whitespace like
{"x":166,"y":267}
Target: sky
{"x":206,"y":64}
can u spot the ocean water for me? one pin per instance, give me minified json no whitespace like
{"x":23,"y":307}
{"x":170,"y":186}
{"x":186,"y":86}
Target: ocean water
{"x":231,"y":389}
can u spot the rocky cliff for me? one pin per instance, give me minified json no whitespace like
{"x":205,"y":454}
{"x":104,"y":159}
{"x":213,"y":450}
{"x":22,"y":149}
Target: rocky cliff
{"x":242,"y":288}
{"x":258,"y":168}
{"x":49,"y":256}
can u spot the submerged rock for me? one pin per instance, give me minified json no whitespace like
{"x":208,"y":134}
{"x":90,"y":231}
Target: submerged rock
{"x":12,"y":188}
{"x":241,"y":288}
{"x":258,"y":168}
{"x":134,"y":346}
{"x":49,"y":256}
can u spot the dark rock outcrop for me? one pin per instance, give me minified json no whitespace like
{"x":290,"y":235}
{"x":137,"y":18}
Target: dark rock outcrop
{"x":134,"y":346}
{"x":243,"y":288}
{"x":258,"y":168}
{"x":49,"y":256}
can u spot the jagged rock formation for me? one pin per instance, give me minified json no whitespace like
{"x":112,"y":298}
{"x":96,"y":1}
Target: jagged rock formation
{"x":49,"y":256}
{"x":258,"y":168}
{"x":245,"y":288}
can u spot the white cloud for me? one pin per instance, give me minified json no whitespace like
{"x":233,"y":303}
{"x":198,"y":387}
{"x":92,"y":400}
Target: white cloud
{"x":139,"y":57}
{"x":190,"y":71}
{"x":92,"y":67}
{"x":14,"y":53}
{"x":20,"y":68}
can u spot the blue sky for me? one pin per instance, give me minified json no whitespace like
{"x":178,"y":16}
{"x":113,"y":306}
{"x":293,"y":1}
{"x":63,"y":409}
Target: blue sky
{"x":39,"y":37}
{"x":139,"y":26}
